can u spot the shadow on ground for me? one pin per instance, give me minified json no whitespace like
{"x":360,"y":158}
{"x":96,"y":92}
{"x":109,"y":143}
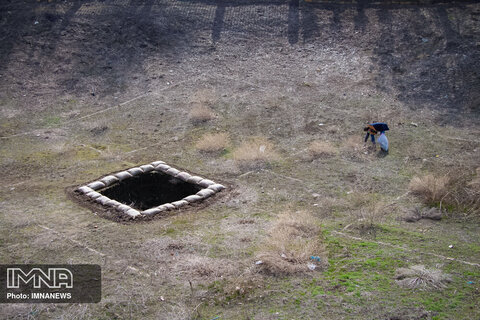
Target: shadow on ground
{"x":424,"y":52}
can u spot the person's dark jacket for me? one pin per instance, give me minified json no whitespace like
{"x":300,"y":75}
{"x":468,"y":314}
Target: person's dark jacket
{"x":374,"y":128}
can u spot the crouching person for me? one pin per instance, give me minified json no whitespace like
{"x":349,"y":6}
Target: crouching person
{"x":375,"y":128}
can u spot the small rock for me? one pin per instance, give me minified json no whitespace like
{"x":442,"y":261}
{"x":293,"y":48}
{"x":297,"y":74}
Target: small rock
{"x":412,"y":218}
{"x":432,"y":214}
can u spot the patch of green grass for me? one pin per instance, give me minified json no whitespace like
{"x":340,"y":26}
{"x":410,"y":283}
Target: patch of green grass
{"x":52,"y":121}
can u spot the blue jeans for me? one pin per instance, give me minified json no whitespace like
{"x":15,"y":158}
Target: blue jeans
{"x":372,"y":137}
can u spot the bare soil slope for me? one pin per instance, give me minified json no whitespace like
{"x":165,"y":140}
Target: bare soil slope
{"x":92,"y":87}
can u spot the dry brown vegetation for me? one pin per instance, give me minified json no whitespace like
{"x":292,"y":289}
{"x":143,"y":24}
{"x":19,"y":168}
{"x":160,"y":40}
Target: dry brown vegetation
{"x":213,"y":142}
{"x":257,"y":152}
{"x":319,"y":149}
{"x":371,"y":215}
{"x":456,"y":191}
{"x":201,"y":113}
{"x":419,"y":277}
{"x":293,"y":238}
{"x":464,"y":193}
{"x":429,"y":188}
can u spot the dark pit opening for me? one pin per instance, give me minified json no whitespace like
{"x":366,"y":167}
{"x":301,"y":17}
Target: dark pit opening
{"x":149,"y":190}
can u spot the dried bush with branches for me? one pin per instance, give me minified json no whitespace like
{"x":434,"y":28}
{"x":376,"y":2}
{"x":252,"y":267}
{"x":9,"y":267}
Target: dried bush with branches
{"x":429,"y":188}
{"x":457,"y":191}
{"x":201,"y":113}
{"x":213,"y":142}
{"x":464,"y":193}
{"x":292,"y":240}
{"x":371,"y":215}
{"x":419,"y":277}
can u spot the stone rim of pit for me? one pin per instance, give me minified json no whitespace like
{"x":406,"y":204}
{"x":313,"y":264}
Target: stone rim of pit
{"x":90,"y":190}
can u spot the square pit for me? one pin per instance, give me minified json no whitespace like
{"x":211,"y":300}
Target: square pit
{"x":148,"y":190}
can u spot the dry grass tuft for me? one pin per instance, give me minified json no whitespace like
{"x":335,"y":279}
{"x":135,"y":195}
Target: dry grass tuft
{"x":242,"y":285}
{"x":292,"y":240}
{"x":213,"y":142}
{"x":320,"y":149}
{"x":418,"y":277}
{"x":255,"y":153}
{"x":464,"y":193}
{"x":370,"y":216}
{"x":458,"y":192}
{"x":201,"y":113}
{"x":429,"y":188}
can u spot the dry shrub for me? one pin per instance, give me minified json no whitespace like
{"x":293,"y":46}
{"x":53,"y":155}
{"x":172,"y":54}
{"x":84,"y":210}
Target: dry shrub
{"x":292,"y":240}
{"x":370,"y":216}
{"x":358,"y":199}
{"x":242,"y":285}
{"x":458,"y":191}
{"x":319,"y":149}
{"x":429,"y":188}
{"x":464,"y":195}
{"x":213,"y":142}
{"x":419,"y":277}
{"x":255,"y":153}
{"x":201,"y":113}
